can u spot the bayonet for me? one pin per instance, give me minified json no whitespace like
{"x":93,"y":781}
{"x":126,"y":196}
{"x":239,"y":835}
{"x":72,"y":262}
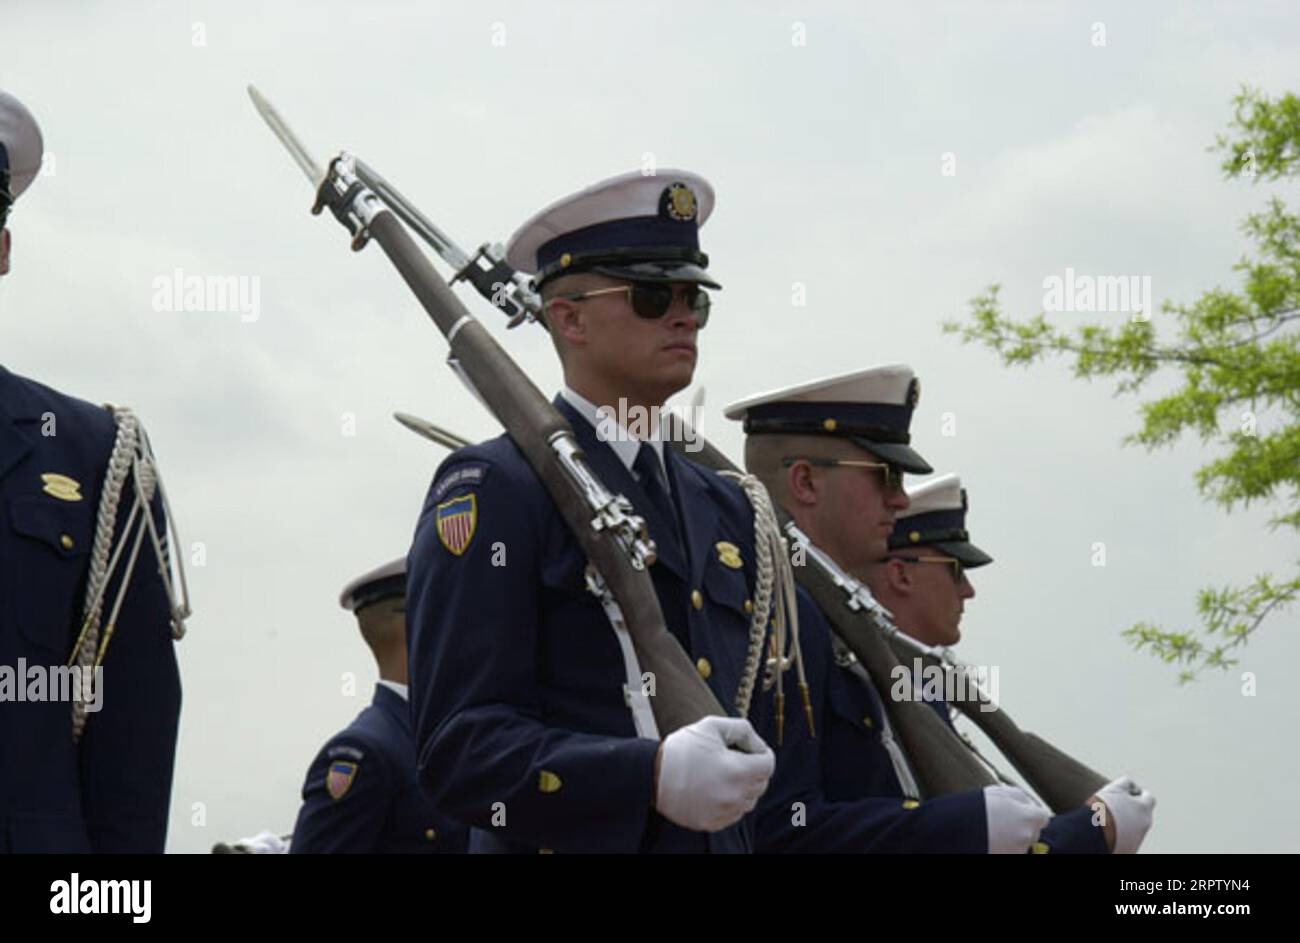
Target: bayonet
{"x":290,"y":140}
{"x":431,"y":432}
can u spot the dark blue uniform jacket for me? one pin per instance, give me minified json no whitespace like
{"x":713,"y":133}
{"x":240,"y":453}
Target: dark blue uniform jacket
{"x":110,"y":793}
{"x":517,"y":678}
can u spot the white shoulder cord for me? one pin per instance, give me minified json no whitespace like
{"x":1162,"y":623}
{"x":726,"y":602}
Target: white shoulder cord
{"x":131,"y":456}
{"x":775,"y":599}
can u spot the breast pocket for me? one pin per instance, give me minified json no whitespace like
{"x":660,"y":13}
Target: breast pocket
{"x":852,"y":700}
{"x":50,"y":555}
{"x":578,"y":654}
{"x":728,"y":587}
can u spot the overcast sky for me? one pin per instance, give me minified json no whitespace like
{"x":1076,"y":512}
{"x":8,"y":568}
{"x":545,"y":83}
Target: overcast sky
{"x":827,"y":158}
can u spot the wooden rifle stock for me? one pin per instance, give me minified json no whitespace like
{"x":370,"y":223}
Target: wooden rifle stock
{"x":1063,"y":782}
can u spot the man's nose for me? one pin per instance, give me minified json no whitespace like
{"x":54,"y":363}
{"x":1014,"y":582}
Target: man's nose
{"x":679,"y":313}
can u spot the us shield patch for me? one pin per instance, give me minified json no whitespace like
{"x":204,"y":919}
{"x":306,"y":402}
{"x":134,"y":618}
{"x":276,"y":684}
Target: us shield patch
{"x":456,"y":521}
{"x":340,"y":777}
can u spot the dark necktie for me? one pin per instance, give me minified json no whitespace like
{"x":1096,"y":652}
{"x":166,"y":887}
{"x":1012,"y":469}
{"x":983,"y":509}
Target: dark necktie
{"x":650,"y":474}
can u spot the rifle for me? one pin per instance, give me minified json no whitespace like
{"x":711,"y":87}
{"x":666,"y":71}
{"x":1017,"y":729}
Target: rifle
{"x":613,"y":538}
{"x":943,"y":763}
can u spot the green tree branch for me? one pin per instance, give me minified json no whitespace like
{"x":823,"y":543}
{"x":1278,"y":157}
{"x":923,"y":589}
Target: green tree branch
{"x":1238,"y":357}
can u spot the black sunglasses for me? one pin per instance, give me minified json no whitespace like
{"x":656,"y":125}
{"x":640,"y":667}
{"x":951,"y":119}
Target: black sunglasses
{"x":891,"y":473}
{"x":651,"y":300}
{"x":958,"y":571}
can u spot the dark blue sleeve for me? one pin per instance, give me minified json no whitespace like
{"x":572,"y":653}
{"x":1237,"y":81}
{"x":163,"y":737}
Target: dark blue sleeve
{"x":795,"y":814}
{"x":1073,"y":833}
{"x":354,"y":820}
{"x":482,"y":740}
{"x":129,"y":746}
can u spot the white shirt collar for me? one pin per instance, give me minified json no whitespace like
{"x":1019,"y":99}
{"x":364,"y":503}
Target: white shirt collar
{"x":624,"y":444}
{"x":400,"y":690}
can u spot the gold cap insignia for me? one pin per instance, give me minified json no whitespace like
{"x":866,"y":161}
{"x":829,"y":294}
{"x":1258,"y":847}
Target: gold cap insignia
{"x":61,"y":487}
{"x":729,"y":554}
{"x":548,"y":781}
{"x":678,"y":202}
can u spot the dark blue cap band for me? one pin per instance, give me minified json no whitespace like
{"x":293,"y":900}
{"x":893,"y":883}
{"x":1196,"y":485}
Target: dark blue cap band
{"x":880,"y":422}
{"x":624,"y":237}
{"x":931,"y":527}
{"x":378,"y":591}
{"x":6,"y":197}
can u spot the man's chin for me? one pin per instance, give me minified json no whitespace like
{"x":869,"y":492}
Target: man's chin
{"x":675,"y":381}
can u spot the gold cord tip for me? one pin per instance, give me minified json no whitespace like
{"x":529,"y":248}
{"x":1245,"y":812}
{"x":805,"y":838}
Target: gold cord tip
{"x":780,"y":717}
{"x":807,"y":708}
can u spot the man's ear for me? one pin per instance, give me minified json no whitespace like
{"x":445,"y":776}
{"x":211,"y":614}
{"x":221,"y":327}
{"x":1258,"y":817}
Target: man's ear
{"x":802,"y":483}
{"x":4,"y":251}
{"x":898,"y":577}
{"x":566,"y":321}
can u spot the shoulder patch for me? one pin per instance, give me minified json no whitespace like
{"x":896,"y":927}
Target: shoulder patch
{"x":339,"y":779}
{"x":456,"y":520}
{"x":470,"y":474}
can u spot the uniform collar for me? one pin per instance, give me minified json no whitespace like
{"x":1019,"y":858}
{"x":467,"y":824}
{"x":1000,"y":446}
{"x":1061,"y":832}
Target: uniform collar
{"x":616,"y":476}
{"x":401,"y":690}
{"x":16,"y":397}
{"x":16,"y":405}
{"x":624,"y":445}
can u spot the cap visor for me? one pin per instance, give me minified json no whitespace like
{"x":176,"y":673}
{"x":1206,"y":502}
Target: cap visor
{"x":904,"y":456}
{"x":970,"y":555}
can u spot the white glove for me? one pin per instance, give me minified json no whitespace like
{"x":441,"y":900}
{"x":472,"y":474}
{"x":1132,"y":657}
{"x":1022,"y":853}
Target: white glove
{"x":704,"y":785}
{"x":264,"y":843}
{"x":1014,"y":818}
{"x":1132,"y":809}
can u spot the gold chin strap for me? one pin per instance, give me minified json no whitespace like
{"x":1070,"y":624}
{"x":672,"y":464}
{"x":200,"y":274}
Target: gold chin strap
{"x":131,"y":458}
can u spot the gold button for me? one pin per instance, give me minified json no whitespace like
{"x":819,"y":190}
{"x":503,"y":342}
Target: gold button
{"x":704,"y":668}
{"x":697,"y":600}
{"x":430,"y":834}
{"x":566,"y":260}
{"x":67,"y":542}
{"x":829,"y":425}
{"x":548,"y":781}
{"x":546,"y":851}
{"x":749,"y":605}
{"x":1040,"y":847}
{"x":914,"y":536}
{"x":869,"y":723}
{"x":911,"y":804}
